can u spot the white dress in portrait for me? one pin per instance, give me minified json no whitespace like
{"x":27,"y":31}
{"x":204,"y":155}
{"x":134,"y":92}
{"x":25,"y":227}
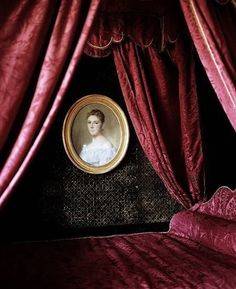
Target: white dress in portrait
{"x":98,"y":154}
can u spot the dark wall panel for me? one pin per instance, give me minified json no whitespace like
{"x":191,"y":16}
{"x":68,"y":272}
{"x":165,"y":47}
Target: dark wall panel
{"x":55,"y":199}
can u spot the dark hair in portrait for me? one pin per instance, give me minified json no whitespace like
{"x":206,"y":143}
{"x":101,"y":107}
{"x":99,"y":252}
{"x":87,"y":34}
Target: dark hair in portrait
{"x":98,"y":113}
{"x":99,"y":150}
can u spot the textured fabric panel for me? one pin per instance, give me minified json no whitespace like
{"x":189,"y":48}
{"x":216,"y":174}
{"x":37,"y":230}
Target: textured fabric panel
{"x":145,"y":261}
{"x":161,"y":99}
{"x":222,"y":204}
{"x":212,"y":224}
{"x":130,"y":194}
{"x":64,"y":47}
{"x":148,"y":24}
{"x":212,"y":26}
{"x":209,"y":231}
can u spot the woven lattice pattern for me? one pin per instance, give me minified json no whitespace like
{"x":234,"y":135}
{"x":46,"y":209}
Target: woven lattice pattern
{"x":130,"y":194}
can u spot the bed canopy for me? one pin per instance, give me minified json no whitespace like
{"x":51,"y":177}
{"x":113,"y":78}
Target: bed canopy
{"x":152,"y":44}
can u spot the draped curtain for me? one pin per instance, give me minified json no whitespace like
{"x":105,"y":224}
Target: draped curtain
{"x":164,"y":111}
{"x":41,"y":43}
{"x":212,"y":25}
{"x":155,"y":67}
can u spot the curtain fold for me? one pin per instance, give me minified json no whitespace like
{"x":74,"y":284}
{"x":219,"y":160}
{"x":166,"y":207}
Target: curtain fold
{"x":161,"y":99}
{"x":212,"y":25}
{"x":156,"y":71}
{"x":50,"y":36}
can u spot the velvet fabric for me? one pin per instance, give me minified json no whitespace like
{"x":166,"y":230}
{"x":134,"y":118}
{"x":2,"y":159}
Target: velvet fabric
{"x":41,"y":44}
{"x":212,"y":224}
{"x":144,"y":261}
{"x":156,"y":71}
{"x":162,"y":102}
{"x":211,"y":232}
{"x":144,"y":22}
{"x":178,"y":259}
{"x":212,"y":26}
{"x":221,"y":205}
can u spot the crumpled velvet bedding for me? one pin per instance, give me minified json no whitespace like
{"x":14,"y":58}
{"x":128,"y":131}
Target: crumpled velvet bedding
{"x":193,"y":254}
{"x":209,"y":231}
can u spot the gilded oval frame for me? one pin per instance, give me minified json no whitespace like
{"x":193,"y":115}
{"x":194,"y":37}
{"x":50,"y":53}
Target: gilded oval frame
{"x":74,"y":131}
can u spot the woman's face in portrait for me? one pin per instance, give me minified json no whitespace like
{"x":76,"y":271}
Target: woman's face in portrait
{"x":94,"y":125}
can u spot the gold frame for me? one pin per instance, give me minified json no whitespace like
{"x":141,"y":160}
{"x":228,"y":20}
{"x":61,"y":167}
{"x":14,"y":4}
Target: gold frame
{"x":121,"y":131}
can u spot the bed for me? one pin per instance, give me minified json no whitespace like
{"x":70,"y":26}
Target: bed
{"x":198,"y":251}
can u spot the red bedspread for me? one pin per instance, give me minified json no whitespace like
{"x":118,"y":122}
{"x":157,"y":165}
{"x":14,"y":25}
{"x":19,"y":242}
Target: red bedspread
{"x":180,"y":258}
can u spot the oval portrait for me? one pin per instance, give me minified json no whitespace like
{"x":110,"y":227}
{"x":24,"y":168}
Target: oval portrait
{"x":95,"y":134}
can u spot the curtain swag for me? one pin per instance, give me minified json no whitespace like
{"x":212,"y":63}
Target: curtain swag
{"x":44,"y":40}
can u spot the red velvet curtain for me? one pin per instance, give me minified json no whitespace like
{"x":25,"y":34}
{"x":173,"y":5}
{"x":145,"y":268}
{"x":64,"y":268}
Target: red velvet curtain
{"x":212,"y":25}
{"x":155,"y":66}
{"x":162,"y":102}
{"x":41,"y":43}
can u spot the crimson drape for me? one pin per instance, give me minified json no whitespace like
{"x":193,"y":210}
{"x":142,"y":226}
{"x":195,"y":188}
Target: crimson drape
{"x":162,"y":102}
{"x":159,"y":88}
{"x":157,"y":76}
{"x":212,"y":25}
{"x":40,"y":44}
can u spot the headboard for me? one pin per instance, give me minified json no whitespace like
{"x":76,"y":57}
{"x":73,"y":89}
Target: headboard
{"x":222,"y":204}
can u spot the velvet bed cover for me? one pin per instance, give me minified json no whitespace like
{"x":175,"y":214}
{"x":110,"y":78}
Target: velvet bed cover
{"x":197,"y":252}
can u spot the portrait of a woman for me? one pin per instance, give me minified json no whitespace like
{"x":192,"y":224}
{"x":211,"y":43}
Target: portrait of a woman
{"x":95,"y":134}
{"x":99,"y":151}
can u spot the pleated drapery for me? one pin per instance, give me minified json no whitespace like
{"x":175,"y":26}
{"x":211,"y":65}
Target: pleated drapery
{"x":156,"y":71}
{"x":162,"y":102}
{"x":212,"y":25}
{"x":41,"y":43}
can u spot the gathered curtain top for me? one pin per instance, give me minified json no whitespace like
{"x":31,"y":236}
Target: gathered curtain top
{"x":144,"y":28}
{"x":145,"y":22}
